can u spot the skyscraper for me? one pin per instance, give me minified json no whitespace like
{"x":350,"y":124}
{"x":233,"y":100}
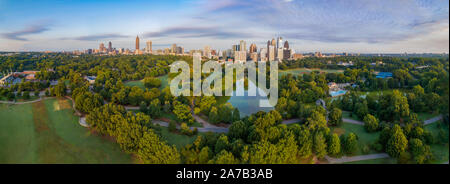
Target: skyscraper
{"x":286,"y":45}
{"x":137,"y":43}
{"x":271,"y":53}
{"x":242,"y":46}
{"x":109,"y":47}
{"x":253,"y":48}
{"x":279,"y":42}
{"x":148,"y":49}
{"x":174,"y":48}
{"x":207,"y":52}
{"x":101,"y":48}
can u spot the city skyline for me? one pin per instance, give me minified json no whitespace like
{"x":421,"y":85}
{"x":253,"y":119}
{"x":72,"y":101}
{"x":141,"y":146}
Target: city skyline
{"x":310,"y":26}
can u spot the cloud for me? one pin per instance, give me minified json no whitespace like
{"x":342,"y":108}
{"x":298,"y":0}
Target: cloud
{"x":30,"y":30}
{"x":349,"y":21}
{"x":198,"y":32}
{"x":97,"y":37}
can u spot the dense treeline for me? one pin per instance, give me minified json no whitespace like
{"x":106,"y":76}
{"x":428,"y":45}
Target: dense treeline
{"x":260,"y":138}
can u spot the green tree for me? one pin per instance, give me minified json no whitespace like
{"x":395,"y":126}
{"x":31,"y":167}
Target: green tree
{"x":154,"y":151}
{"x":236,"y":115}
{"x":152,"y":82}
{"x":398,"y":143}
{"x":370,"y":123}
{"x":320,"y":146}
{"x":334,"y":145}
{"x":420,"y":152}
{"x":350,"y":144}
{"x":335,"y":117}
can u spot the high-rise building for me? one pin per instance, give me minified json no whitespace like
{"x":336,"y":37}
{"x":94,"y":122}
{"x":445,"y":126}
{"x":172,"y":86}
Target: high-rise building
{"x":274,"y":43}
{"x":101,"y":48}
{"x":240,"y":56}
{"x":253,"y":48}
{"x":286,"y":45}
{"x":279,"y":42}
{"x":180,"y":50}
{"x":271,"y":53}
{"x":148,"y":49}
{"x":280,"y":54}
{"x":254,"y":56}
{"x":207,"y":52}
{"x":242,"y":46}
{"x":137,"y":43}
{"x":110,"y":47}
{"x":263,"y":54}
{"x":174,"y":48}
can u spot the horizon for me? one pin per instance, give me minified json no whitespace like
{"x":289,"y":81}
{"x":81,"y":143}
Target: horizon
{"x":381,"y":27}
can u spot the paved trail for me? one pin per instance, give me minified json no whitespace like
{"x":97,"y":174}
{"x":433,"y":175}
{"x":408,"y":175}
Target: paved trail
{"x":352,"y":121}
{"x":432,"y":120}
{"x":355,"y":158}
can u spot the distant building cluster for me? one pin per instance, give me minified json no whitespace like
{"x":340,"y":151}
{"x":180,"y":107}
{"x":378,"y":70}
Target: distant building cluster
{"x":16,"y":77}
{"x":275,"y":50}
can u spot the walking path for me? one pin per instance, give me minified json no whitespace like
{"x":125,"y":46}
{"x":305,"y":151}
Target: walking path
{"x":432,"y":120}
{"x":352,"y":121}
{"x":355,"y":158}
{"x":207,"y":127}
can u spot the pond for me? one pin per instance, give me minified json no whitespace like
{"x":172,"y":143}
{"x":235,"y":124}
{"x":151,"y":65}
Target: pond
{"x":248,"y":105}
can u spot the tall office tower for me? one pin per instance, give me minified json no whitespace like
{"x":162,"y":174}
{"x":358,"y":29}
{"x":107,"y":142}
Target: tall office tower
{"x":287,"y":53}
{"x":279,"y":42}
{"x":242,"y":46}
{"x":174,"y":48}
{"x":137,"y":43}
{"x":280,"y":54}
{"x":267,"y":51}
{"x":180,"y":50}
{"x":263,"y":54}
{"x":253,"y":48}
{"x":101,"y":48}
{"x":271,"y":53}
{"x":274,"y":43}
{"x":148,"y":49}
{"x":207,"y":52}
{"x":166,"y":51}
{"x":109,"y":47}
{"x":286,"y":45}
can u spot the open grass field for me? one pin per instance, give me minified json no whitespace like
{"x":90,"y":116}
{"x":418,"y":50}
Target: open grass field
{"x":179,"y":140}
{"x":350,"y":115}
{"x":164,"y":82}
{"x":364,"y":138}
{"x":48,"y":132}
{"x":301,"y":71}
{"x":440,"y":151}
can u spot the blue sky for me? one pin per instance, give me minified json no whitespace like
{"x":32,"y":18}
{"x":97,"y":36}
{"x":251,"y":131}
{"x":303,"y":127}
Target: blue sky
{"x":365,"y":26}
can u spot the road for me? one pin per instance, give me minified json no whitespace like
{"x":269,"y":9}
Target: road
{"x":356,"y":158}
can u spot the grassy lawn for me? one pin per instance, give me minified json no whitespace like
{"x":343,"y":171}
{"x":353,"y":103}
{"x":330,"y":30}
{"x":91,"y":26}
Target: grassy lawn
{"x":346,"y":114}
{"x":48,"y":132}
{"x":164,"y":82}
{"x":179,"y":140}
{"x":440,"y":151}
{"x":364,"y":138}
{"x":424,"y":116}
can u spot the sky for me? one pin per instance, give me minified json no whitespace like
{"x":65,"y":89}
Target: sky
{"x":355,"y":26}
